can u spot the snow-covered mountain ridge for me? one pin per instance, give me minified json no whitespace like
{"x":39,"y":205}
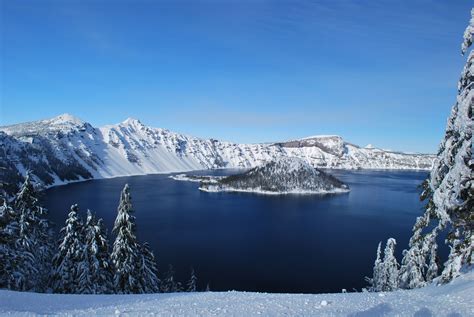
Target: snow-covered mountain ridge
{"x":65,"y":149}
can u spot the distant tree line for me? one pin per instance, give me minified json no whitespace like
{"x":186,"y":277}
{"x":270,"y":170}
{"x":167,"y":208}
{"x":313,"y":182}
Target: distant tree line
{"x":81,"y":262}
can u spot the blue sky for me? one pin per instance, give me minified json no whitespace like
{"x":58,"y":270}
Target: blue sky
{"x":380,"y":72}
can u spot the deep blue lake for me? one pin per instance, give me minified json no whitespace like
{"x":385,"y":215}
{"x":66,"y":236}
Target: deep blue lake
{"x":250,"y":242}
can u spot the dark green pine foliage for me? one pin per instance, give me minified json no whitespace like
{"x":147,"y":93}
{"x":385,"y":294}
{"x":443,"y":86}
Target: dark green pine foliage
{"x":126,"y":254}
{"x":191,"y":286}
{"x":8,"y":252}
{"x":168,"y":284}
{"x":33,"y":240}
{"x":68,"y":263}
{"x":97,"y":273}
{"x":149,"y":270}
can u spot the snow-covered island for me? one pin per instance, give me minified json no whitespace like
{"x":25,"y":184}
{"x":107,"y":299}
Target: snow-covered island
{"x":287,"y":175}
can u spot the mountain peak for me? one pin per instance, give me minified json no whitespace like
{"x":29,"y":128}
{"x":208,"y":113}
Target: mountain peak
{"x":332,"y":144}
{"x":63,"y":122}
{"x":66,"y":118}
{"x":323,"y":136}
{"x":132,"y":121}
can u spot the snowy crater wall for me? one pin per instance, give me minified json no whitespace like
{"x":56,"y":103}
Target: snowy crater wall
{"x":66,"y":149}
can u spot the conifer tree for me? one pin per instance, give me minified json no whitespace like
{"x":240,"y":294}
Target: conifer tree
{"x":69,"y":261}
{"x":390,"y":267}
{"x":97,"y":272}
{"x":33,"y":240}
{"x":169,"y":285}
{"x":375,"y":281}
{"x":433,"y":266}
{"x":412,"y":269}
{"x":192,"y":283}
{"x":386,"y":272}
{"x":452,"y":180}
{"x":126,"y":253}
{"x":149,"y":270}
{"x":9,"y":258}
{"x":84,"y":273}
{"x":448,"y":192}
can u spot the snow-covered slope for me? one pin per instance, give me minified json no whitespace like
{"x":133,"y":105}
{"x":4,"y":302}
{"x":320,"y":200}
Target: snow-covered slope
{"x":288,"y":175}
{"x":454,"y":299}
{"x":65,"y":149}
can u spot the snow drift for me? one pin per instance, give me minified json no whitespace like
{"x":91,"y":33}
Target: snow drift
{"x":454,"y":299}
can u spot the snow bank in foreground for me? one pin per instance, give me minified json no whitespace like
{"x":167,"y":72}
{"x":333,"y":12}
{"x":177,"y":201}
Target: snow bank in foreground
{"x":454,"y":299}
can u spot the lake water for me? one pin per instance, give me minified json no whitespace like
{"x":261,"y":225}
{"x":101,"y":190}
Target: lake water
{"x":249,"y":242}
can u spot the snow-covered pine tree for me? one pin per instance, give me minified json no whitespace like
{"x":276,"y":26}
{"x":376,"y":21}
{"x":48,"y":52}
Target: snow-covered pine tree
{"x":168,"y":284}
{"x":191,"y":286}
{"x":69,"y":262}
{"x":413,"y":265}
{"x":33,"y":241}
{"x":449,"y":190}
{"x":126,"y":252}
{"x":389,"y":270}
{"x":8,"y":252}
{"x":433,"y":266}
{"x":149,"y":270}
{"x":84,"y":271}
{"x":375,"y":281}
{"x":97,"y":271}
{"x":455,"y":194}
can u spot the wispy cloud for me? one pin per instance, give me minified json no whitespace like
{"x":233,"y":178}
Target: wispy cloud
{"x":285,"y":19}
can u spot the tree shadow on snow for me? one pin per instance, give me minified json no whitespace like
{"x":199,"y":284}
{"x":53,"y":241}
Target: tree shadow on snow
{"x":424,"y":312}
{"x":379,"y":310}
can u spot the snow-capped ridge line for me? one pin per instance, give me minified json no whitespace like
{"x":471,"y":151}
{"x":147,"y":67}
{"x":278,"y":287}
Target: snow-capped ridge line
{"x":64,"y":149}
{"x":131,"y":121}
{"x":66,"y":118}
{"x":63,"y":121}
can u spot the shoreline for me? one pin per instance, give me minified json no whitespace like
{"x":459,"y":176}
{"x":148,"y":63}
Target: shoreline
{"x":64,"y":183}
